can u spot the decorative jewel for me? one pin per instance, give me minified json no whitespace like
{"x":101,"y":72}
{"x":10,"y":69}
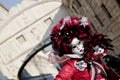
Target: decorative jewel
{"x":80,"y":65}
{"x":59,"y":33}
{"x":67,"y":34}
{"x":84,"y":21}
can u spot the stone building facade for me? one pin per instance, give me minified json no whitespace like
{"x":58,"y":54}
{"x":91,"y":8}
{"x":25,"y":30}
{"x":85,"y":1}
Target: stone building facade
{"x":24,"y":27}
{"x":103,"y":14}
{"x":3,"y":14}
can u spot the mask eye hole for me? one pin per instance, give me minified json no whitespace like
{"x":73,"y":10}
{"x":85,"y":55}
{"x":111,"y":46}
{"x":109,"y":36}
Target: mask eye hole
{"x":73,"y":46}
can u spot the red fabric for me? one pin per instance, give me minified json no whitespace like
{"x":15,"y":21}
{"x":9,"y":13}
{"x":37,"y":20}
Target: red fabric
{"x":69,"y":71}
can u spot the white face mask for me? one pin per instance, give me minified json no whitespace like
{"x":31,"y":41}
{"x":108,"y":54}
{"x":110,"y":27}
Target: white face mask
{"x":77,"y":46}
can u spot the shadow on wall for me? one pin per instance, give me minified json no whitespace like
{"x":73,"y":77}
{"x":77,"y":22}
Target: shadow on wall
{"x":2,"y":77}
{"x":27,"y":76}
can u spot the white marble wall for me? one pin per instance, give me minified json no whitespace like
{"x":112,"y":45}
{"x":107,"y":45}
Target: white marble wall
{"x":3,"y":15}
{"x":27,"y":24}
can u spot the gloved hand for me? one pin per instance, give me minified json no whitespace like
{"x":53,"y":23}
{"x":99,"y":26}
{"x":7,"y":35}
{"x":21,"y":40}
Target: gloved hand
{"x":113,"y":62}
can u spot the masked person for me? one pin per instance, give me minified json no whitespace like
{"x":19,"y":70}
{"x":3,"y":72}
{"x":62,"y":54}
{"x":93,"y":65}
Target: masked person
{"x":80,"y":50}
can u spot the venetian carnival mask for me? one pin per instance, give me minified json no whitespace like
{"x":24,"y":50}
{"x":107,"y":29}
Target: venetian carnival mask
{"x":77,"y":46}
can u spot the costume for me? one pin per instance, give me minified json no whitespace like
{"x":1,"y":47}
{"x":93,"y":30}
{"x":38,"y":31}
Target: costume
{"x":80,"y":49}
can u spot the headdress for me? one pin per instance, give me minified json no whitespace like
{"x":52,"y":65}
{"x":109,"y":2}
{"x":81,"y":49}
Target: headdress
{"x":70,"y":27}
